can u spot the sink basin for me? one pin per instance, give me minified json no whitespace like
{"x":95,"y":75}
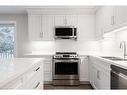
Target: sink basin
{"x":114,"y":58}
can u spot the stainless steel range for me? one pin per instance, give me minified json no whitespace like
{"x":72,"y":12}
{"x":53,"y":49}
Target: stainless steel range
{"x":66,"y":68}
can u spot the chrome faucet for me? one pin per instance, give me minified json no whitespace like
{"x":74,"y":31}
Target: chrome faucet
{"x":124,"y":48}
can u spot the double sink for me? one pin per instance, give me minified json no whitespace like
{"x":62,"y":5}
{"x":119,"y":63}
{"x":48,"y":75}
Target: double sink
{"x":114,"y":58}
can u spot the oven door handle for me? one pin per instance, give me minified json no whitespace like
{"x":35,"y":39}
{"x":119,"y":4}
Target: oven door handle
{"x":70,"y":61}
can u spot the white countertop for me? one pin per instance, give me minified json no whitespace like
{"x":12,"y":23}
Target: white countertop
{"x":122,"y":64}
{"x":14,"y":67}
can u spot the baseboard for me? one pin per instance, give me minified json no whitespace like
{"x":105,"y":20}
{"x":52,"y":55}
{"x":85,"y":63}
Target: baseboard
{"x":81,"y":82}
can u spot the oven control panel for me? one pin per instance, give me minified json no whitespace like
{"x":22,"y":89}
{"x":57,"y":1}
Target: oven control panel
{"x":66,"y":56}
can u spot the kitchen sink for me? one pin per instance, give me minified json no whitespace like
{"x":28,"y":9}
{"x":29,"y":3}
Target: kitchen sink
{"x":114,"y":58}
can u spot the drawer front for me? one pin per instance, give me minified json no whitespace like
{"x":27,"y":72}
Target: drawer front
{"x":33,"y":79}
{"x":14,"y":84}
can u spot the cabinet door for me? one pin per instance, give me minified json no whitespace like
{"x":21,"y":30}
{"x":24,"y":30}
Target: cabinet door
{"x":33,"y":78}
{"x":71,"y":20}
{"x":66,"y":20}
{"x":86,"y":27}
{"x":47,"y":27}
{"x":102,"y":79}
{"x":121,"y":14}
{"x":84,"y":69}
{"x":91,"y":73}
{"x":47,"y":70}
{"x":60,"y":20}
{"x":99,"y":73}
{"x":99,"y":24}
{"x":34,"y":22}
{"x":109,"y":16}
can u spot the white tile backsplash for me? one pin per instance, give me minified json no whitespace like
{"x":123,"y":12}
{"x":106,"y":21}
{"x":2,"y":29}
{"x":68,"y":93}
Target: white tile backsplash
{"x":111,"y":46}
{"x":64,"y":45}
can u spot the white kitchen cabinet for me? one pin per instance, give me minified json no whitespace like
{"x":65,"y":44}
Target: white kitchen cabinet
{"x":47,"y":70}
{"x":72,"y":20}
{"x":15,"y":84}
{"x":59,"y":20}
{"x":120,"y":15}
{"x":91,"y":73}
{"x":41,"y":27}
{"x":34,"y":27}
{"x":31,"y":79}
{"x":83,"y":67}
{"x":99,"y":24}
{"x":47,"y":27}
{"x":65,"y":20}
{"x":99,"y":73}
{"x":109,"y":18}
{"x":86,"y":28}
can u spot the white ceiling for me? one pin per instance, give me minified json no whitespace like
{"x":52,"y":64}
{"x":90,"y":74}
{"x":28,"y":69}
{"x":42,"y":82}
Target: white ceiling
{"x":23,"y":9}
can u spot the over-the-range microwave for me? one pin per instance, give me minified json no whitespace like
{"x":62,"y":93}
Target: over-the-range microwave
{"x":66,"y":32}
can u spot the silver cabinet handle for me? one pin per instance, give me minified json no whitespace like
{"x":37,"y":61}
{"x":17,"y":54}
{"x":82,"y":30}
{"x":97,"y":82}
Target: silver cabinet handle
{"x":98,"y":74}
{"x":37,"y":69}
{"x":37,"y":85}
{"x":112,"y":20}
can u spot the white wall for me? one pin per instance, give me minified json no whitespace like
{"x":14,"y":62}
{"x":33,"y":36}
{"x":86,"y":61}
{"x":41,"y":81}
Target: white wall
{"x":21,"y":31}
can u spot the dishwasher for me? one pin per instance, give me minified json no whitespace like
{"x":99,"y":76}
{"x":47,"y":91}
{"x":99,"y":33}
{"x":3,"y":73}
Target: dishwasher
{"x":118,"y":77}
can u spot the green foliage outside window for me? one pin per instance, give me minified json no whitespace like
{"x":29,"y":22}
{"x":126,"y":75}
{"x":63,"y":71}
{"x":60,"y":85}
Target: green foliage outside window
{"x":7,"y":39}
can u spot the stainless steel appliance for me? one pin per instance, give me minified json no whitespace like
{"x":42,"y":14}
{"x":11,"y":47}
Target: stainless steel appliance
{"x":118,"y":78}
{"x":65,"y":32}
{"x":66,"y":68}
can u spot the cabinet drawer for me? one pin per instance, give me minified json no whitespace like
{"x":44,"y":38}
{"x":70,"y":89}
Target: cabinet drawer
{"x":32,"y":73}
{"x":14,"y":84}
{"x":33,"y":79}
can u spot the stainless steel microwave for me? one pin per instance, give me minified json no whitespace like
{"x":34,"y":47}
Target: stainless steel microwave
{"x":66,"y":32}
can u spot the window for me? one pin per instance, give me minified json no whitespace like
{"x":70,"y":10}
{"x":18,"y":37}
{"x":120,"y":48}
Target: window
{"x":7,"y":38}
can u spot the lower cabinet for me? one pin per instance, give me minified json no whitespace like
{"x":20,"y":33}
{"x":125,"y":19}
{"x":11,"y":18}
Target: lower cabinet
{"x":47,"y":70}
{"x":83,"y":69}
{"x":99,"y":73}
{"x":32,"y":79}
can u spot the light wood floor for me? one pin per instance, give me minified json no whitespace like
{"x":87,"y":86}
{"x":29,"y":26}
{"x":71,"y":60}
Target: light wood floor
{"x":80,"y":87}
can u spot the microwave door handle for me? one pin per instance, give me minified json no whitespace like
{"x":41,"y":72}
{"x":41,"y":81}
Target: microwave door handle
{"x":73,"y":32}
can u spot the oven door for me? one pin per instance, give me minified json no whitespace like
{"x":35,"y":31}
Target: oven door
{"x":66,"y":69}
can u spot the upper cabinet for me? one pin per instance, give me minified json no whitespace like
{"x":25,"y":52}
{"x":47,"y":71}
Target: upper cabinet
{"x":65,"y":20}
{"x":109,"y":18}
{"x":42,"y":22}
{"x":99,"y":18}
{"x":121,"y":15}
{"x":35,"y":32}
{"x":41,"y":27}
{"x":47,"y":27}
